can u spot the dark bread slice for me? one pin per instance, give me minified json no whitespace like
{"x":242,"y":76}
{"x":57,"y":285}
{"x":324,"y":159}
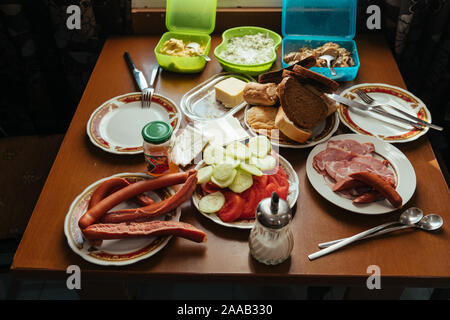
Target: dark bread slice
{"x":277,"y":75}
{"x":303,"y":107}
{"x":326,"y":83}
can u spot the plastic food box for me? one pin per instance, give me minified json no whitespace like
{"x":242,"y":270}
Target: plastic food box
{"x":190,"y":21}
{"x":200,"y":104}
{"x":250,"y":69}
{"x":313,"y":23}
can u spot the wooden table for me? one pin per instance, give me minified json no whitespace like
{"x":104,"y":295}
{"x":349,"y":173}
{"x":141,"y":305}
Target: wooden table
{"x":406,"y":259}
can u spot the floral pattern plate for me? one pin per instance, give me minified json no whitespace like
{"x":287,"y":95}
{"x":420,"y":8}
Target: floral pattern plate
{"x":369,"y":123}
{"x":248,"y":224}
{"x":321,"y":133}
{"x":115,"y":252}
{"x":116,"y":125}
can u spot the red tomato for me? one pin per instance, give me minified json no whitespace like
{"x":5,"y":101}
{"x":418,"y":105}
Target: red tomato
{"x":232,"y":208}
{"x":271,"y":187}
{"x":210,"y":187}
{"x":260,"y":183}
{"x":283,"y":192}
{"x":251,"y":200}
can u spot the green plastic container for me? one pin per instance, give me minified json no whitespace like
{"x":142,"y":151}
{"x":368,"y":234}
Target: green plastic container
{"x":249,"y":69}
{"x":190,"y":21}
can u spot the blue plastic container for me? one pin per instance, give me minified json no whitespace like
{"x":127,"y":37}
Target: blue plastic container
{"x":313,"y":23}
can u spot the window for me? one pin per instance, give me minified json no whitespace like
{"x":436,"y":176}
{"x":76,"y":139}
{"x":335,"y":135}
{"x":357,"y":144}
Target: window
{"x":220,"y":3}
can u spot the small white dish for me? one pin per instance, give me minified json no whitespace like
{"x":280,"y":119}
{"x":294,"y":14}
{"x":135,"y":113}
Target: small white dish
{"x":116,"y":125}
{"x":369,"y":123}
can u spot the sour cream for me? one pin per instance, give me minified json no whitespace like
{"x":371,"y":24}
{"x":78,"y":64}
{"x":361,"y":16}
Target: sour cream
{"x":249,"y":49}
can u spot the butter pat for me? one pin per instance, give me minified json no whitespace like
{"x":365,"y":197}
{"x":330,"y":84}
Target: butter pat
{"x":230,"y":91}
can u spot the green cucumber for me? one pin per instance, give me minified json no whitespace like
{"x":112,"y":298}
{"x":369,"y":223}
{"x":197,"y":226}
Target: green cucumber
{"x":259,"y":146}
{"x":250,"y":168}
{"x":241,"y":182}
{"x":225,"y":183}
{"x":222,"y":171}
{"x":238,"y":150}
{"x":204,"y":174}
{"x":213,"y":154}
{"x":264,"y":164}
{"x":212,"y":202}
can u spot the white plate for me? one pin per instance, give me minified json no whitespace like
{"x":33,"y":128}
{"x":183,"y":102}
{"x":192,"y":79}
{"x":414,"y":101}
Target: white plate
{"x":115,"y":252}
{"x":116,"y":125}
{"x":248,"y":224}
{"x":403,"y":170}
{"x":369,"y":123}
{"x":321,"y":133}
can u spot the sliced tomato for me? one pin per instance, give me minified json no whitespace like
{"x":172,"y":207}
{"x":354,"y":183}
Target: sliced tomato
{"x":260,"y":183}
{"x":271,"y":187}
{"x":210,"y":187}
{"x":232,"y":208}
{"x":283,"y":192}
{"x":251,"y":199}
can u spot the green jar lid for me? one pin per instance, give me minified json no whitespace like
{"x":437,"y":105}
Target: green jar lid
{"x":157,"y":132}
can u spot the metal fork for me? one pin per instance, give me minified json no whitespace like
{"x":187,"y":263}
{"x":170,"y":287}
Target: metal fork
{"x":369,"y":100}
{"x":147,"y":90}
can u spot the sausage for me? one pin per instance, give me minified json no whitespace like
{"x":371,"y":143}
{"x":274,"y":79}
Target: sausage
{"x":347,"y":184}
{"x":144,"y":229}
{"x":96,"y":212}
{"x":380,"y":185}
{"x":112,"y":185}
{"x":368,"y":197}
{"x":155,"y":209}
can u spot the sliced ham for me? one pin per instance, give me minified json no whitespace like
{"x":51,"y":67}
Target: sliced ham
{"x":342,"y":158}
{"x":352,"y":146}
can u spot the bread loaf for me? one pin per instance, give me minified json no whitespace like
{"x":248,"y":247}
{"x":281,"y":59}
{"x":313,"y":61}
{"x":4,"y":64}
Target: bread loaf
{"x":289,"y":129}
{"x":261,"y":94}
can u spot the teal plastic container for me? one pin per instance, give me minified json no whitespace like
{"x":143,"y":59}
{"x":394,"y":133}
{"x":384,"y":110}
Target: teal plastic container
{"x":190,"y":21}
{"x":313,"y":23}
{"x":249,"y":69}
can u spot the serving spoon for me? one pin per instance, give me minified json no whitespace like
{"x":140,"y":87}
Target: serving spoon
{"x":431,"y":222}
{"x":330,"y":56}
{"x":196,"y":47}
{"x":409,"y":217}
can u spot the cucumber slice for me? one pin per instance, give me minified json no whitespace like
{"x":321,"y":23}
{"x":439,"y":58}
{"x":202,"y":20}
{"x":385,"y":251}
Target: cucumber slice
{"x":204,"y":174}
{"x":238,"y":150}
{"x":250,"y":168}
{"x":222,"y":171}
{"x":242,"y":182}
{"x":234,"y":162}
{"x":226,"y":183}
{"x":212,"y":202}
{"x":213,"y":154}
{"x":264,"y":164}
{"x":259,"y":146}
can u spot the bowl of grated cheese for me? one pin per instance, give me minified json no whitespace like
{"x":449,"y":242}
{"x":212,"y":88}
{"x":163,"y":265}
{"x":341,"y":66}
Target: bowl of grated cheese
{"x":248,"y":50}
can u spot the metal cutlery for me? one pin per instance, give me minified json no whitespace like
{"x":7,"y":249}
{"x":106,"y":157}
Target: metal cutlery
{"x":430,"y":222}
{"x":410,"y":216}
{"x":374,"y":109}
{"x":146,"y":89}
{"x":369,"y":100}
{"x":330,"y":56}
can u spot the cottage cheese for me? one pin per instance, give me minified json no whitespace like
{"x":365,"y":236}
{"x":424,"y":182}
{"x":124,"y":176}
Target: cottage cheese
{"x":249,"y":49}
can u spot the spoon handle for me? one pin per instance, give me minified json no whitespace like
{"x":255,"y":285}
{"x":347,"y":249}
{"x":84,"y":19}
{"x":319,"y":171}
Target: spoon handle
{"x":347,"y":241}
{"x":384,"y":231}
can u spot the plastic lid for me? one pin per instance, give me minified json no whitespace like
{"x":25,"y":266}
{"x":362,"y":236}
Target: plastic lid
{"x":157,"y":132}
{"x":191,"y":16}
{"x":319,"y":18}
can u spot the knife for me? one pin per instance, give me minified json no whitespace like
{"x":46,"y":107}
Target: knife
{"x":138,"y":75}
{"x":364,"y":107}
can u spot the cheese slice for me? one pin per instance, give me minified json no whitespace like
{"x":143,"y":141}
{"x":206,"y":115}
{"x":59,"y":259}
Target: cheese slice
{"x":223,"y":131}
{"x":187,"y":146}
{"x":230,"y":91}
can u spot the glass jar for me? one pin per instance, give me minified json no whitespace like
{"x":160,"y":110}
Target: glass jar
{"x":271,"y":240}
{"x":157,"y":147}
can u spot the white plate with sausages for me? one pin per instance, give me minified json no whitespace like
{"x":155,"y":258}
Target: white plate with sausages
{"x":403,"y":172}
{"x":116,"y":252}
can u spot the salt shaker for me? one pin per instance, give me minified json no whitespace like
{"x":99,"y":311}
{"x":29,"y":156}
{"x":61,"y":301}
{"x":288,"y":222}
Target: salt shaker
{"x":271,"y":240}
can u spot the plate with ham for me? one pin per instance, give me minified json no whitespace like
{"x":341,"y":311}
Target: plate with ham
{"x":369,"y":123}
{"x":361,"y":174}
{"x":110,"y":241}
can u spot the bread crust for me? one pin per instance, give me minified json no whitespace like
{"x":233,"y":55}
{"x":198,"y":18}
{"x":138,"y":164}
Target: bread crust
{"x":261,"y":94}
{"x":304,"y":108}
